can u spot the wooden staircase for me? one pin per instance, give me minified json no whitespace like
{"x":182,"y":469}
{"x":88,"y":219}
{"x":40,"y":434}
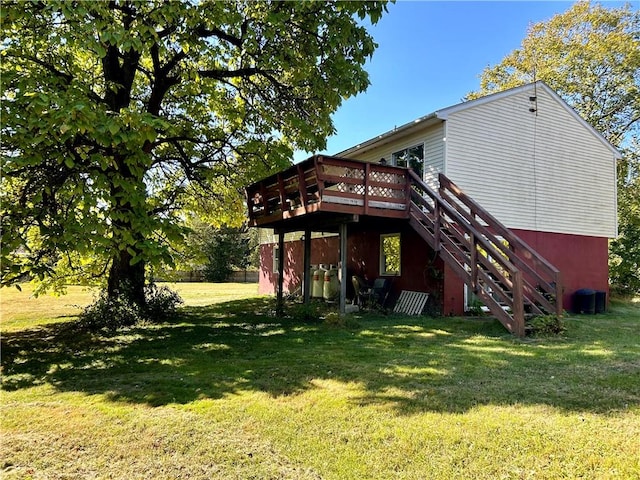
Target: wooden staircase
{"x":506,"y":274}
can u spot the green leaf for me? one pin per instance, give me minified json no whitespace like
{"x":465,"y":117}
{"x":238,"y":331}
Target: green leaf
{"x":147,"y":140}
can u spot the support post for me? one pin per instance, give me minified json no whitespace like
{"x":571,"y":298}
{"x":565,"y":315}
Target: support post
{"x":473,"y":263}
{"x":343,"y":267}
{"x":517,"y":311}
{"x":367,"y":174}
{"x":437,"y":225}
{"x":279,"y":296}
{"x":559,"y":294}
{"x":306,"y":277}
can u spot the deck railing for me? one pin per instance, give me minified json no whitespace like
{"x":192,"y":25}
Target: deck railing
{"x":329,"y":184}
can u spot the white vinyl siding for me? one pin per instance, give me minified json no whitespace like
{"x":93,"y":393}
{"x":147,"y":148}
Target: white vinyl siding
{"x":433,"y":140}
{"x":537,"y":171}
{"x":434,"y":155}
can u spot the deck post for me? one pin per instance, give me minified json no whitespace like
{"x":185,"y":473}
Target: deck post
{"x":306,"y":277}
{"x":279,"y":297}
{"x":365,"y":195}
{"x":343,"y":268}
{"x":558,"y":294}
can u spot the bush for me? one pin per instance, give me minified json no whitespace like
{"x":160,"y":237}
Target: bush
{"x":546,"y":325}
{"x":162,"y":303}
{"x":111,"y":313}
{"x":119,"y":311}
{"x":475,"y":309}
{"x":334,"y":319}
{"x":218,"y":251}
{"x":307,"y":313}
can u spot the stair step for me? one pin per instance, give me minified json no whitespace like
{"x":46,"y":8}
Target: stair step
{"x":496,"y":283}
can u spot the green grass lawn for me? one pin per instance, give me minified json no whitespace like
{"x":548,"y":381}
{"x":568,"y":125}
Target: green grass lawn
{"x":227,"y":390}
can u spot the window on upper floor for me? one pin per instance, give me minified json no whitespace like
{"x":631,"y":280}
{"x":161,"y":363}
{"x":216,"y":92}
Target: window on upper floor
{"x":412,"y":157}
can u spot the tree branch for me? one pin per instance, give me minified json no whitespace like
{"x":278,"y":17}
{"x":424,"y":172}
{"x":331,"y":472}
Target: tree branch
{"x":222,"y":74}
{"x":203,"y":31}
{"x":626,"y":127}
{"x":65,"y":76}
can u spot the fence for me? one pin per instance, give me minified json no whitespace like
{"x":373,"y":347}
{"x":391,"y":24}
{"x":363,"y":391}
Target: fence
{"x":239,"y":276}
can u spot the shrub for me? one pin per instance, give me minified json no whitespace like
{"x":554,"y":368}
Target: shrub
{"x":308,"y":313}
{"x":546,"y":325}
{"x":162,"y":303}
{"x":334,"y":319}
{"x":110,"y":313}
{"x":475,"y":309}
{"x":119,"y":311}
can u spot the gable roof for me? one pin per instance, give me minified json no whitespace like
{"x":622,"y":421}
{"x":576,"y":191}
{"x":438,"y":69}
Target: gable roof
{"x":443,"y":114}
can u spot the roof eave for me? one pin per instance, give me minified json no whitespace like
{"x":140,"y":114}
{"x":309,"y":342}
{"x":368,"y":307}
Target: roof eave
{"x":386,"y":137}
{"x":443,"y":114}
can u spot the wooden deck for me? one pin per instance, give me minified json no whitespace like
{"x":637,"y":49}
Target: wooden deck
{"x":323,"y":184}
{"x":322,"y":192}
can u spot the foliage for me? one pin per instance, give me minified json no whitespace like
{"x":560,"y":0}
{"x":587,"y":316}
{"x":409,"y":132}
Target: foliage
{"x":111,"y":312}
{"x":624,"y":258}
{"x":305,"y":312}
{"x":590,"y":55}
{"x":117,"y":311}
{"x":334,"y":319}
{"x":475,"y":307}
{"x":161,"y":303}
{"x":219,"y":250}
{"x":119,"y":115}
{"x":545,"y":325}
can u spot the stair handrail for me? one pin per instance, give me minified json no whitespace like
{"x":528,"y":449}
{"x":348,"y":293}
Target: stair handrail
{"x":457,"y":216}
{"x":516,"y":244}
{"x":508,"y":284}
{"x":447,"y":184}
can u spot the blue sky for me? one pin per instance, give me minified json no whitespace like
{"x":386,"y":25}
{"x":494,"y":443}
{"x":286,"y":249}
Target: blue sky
{"x":430,"y":55}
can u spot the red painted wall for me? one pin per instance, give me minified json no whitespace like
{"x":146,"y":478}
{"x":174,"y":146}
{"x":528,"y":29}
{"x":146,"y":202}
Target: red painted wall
{"x":583,"y":261}
{"x":323,"y":250}
{"x":420,"y":272}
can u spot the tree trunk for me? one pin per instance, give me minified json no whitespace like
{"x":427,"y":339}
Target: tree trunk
{"x":126,"y":280}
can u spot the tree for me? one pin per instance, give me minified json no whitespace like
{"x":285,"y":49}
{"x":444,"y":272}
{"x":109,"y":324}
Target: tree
{"x":590,"y":55}
{"x":624,"y":252}
{"x":217,"y":251}
{"x":117,"y":115}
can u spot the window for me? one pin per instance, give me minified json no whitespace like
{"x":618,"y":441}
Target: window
{"x":390,"y":254}
{"x":412,"y":157}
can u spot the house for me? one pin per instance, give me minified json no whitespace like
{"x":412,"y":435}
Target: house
{"x":509,"y":199}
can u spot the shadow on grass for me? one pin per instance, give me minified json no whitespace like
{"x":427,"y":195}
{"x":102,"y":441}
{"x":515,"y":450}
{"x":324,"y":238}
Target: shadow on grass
{"x":412,"y":364}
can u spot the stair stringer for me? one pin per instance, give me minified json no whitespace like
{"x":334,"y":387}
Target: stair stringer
{"x":461,"y":232}
{"x":514,"y":323}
